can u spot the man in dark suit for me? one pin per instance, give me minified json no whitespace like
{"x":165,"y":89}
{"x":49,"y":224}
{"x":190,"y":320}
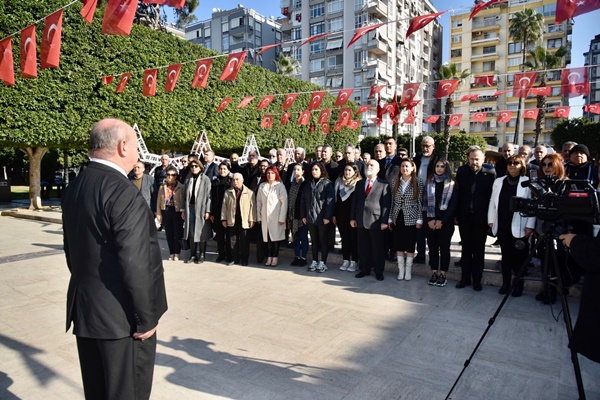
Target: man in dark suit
{"x":300,"y":158}
{"x":330,"y":164}
{"x":350,"y":158}
{"x":211,"y":168}
{"x":389,"y":166}
{"x":370,"y":212}
{"x":116,"y":294}
{"x":507,"y":150}
{"x":475,"y":184}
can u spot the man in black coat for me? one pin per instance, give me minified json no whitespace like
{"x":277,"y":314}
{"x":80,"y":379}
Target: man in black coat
{"x":251,"y":170}
{"x":370,"y":213}
{"x":507,"y":150}
{"x":330,"y":164}
{"x":389,"y":166}
{"x":116,"y":293}
{"x":350,"y":158}
{"x":475,"y":184}
{"x":211,"y":168}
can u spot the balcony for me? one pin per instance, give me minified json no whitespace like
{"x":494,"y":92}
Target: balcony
{"x":377,"y":8}
{"x":494,"y":55}
{"x":376,"y":46}
{"x":486,"y":24}
{"x":480,"y":39}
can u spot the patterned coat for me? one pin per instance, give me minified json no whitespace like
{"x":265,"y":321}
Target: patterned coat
{"x":406,"y":202}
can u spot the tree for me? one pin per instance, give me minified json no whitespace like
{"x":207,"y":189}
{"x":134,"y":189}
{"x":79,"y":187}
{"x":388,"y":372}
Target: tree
{"x":449,"y":71}
{"x":150,"y":15}
{"x":542,"y":60}
{"x":580,"y":130}
{"x":286,"y":66}
{"x":186,"y":16}
{"x":459,"y":143}
{"x":527,"y":26}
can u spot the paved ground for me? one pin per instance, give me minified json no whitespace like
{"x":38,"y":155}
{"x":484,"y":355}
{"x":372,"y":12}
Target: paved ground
{"x":261,"y":333}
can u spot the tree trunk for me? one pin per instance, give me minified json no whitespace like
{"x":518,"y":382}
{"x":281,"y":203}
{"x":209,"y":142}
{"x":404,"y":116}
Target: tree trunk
{"x":448,"y":110}
{"x":518,"y":138}
{"x":35,"y":155}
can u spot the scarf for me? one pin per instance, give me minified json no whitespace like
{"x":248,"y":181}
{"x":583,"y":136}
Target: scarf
{"x":345,"y":187}
{"x":293,"y":219}
{"x":446,"y":194}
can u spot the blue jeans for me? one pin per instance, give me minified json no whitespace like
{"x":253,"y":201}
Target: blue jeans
{"x":301,"y":242}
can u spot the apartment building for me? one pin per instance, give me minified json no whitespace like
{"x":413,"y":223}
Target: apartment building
{"x":381,"y":57}
{"x":592,"y":60}
{"x":230,"y":31}
{"x":484,"y":46}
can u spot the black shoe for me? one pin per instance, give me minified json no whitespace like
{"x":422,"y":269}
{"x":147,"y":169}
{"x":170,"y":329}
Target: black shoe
{"x":295,"y":262}
{"x":229,"y":262}
{"x":518,"y":290}
{"x":504,"y":288}
{"x":220,"y":258}
{"x":462,"y":284}
{"x":457,"y":263}
{"x":379,"y":277}
{"x":302,"y":262}
{"x":244,"y":263}
{"x":361,"y":275}
{"x":190,"y":260}
{"x":477,"y":287}
{"x":419,"y":260}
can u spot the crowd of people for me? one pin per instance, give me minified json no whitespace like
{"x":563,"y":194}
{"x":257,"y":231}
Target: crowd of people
{"x":385,"y":207}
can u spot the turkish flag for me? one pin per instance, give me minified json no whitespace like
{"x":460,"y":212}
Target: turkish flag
{"x":28,"y":53}
{"x":285,"y":118}
{"x":361,"y":32}
{"x":304,"y":118}
{"x":484,"y":80}
{"x":88,"y":10}
{"x":446,"y":88}
{"x":264,"y":103}
{"x":310,"y":39}
{"x":224,"y":103}
{"x":289,"y":100}
{"x":500,"y":92}
{"x":561,"y":112}
{"x":315,"y":100}
{"x":173,"y":72}
{"x":375,"y":90}
{"x":522,"y":83}
{"x":267,"y":121}
{"x":571,"y":77}
{"x":362,"y":109}
{"x":149,"y":85}
{"x":326,"y":127}
{"x":409,"y":120}
{"x":118,"y":17}
{"x":389,"y":108}
{"x":173,"y":3}
{"x":354,"y":124}
{"x":469,"y":97}
{"x":343,"y":97}
{"x":531,"y":113}
{"x":580,"y":89}
{"x":566,"y":9}
{"x":432,"y":119}
{"x":481,"y":6}
{"x":245,"y":101}
{"x":504,"y":116}
{"x":541,"y":91}
{"x":376,"y":121}
{"x":107,"y":80}
{"x":592,"y":108}
{"x":324,"y":116}
{"x":479,"y":117}
{"x":409,"y":91}
{"x":344,"y":116}
{"x":123,"y":82}
{"x":233,"y":65}
{"x":454,"y":119}
{"x":265,"y":48}
{"x":420,"y":21}
{"x":50,"y":48}
{"x":7,"y":66}
{"x":201,"y":75}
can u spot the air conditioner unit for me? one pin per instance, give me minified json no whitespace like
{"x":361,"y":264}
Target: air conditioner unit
{"x":498,"y":17}
{"x":478,"y":33}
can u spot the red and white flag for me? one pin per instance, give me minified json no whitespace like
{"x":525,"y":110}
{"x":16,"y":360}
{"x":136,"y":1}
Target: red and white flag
{"x":265,"y":48}
{"x":342,"y":97}
{"x":344,"y":116}
{"x":326,"y":128}
{"x":201,"y":73}
{"x":315,"y":100}
{"x":245,"y":101}
{"x":469,"y":97}
{"x":107,"y":80}
{"x":324,"y":116}
{"x":264,"y":103}
{"x":289,"y":100}
{"x":580,"y":89}
{"x":561,"y":112}
{"x":173,"y":3}
{"x":446,"y":88}
{"x":354,"y":124}
{"x":149,"y":84}
{"x":481,"y":6}
{"x":28,"y":53}
{"x":118,"y":17}
{"x":362,"y":109}
{"x":7,"y":67}
{"x":409,"y":120}
{"x":173,"y":72}
{"x":522,"y":83}
{"x":123,"y":82}
{"x":304,"y":117}
{"x":376,"y":121}
{"x":504,"y":116}
{"x":432,"y":119}
{"x":420,"y":21}
{"x":361,"y":32}
{"x":531,"y":113}
{"x":285,"y":117}
{"x":224,"y":103}
{"x":233,"y":65}
{"x":573,"y":79}
{"x":592,"y":108}
{"x":566,"y":9}
{"x":50,"y":48}
{"x":479,"y":117}
{"x":315,"y":37}
{"x":409,"y":91}
{"x":487,"y":80}
{"x":541,"y":91}
{"x":267,"y":121}
{"x":88,"y":10}
{"x":375,"y":90}
{"x":454,"y":119}
{"x":500,"y":92}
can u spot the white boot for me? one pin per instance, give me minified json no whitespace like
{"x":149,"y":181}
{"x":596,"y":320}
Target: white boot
{"x":409,"y":264}
{"x":401,"y":268}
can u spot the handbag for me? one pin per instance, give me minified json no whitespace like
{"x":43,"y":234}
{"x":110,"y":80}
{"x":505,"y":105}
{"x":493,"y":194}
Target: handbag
{"x":185,"y":244}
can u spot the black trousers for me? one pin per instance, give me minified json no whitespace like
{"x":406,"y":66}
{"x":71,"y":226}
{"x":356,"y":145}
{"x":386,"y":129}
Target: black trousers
{"x":438,"y":241}
{"x":421,"y":243}
{"x":349,"y":237}
{"x":173,"y":224}
{"x":241,"y":250}
{"x":473,"y":236}
{"x":512,"y":259}
{"x":319,"y":237}
{"x":272,"y":247}
{"x":222,"y":238}
{"x":371,"y":250}
{"x":117,"y":369}
{"x":256,"y":236}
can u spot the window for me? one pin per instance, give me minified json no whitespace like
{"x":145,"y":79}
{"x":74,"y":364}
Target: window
{"x":318,"y":28}
{"x":207,"y":44}
{"x":335,"y":61}
{"x":510,"y":79}
{"x":235,"y":22}
{"x":358,"y":80}
{"x":456,"y":53}
{"x":514,"y":48}
{"x":555,"y":91}
{"x":548,"y":10}
{"x":554,"y":43}
{"x":457,"y":23}
{"x":226,"y":43}
{"x":317,"y":10}
{"x":360,"y":57}
{"x":297,"y":3}
{"x":334,"y":44}
{"x":318,"y":80}
{"x":317,"y":65}
{"x":456,"y":38}
{"x":207,"y":32}
{"x":316,"y":46}
{"x":296,"y":53}
{"x":512,"y":107}
{"x":358,"y":5}
{"x":514,"y":62}
{"x":489,"y":50}
{"x":489,"y":66}
{"x":197,"y":33}
{"x":336,"y":81}
{"x":296,"y":33}
{"x":258,"y":27}
{"x":336,"y":24}
{"x":258,"y":41}
{"x":360,"y":20}
{"x":335,"y":6}
{"x":225,"y":26}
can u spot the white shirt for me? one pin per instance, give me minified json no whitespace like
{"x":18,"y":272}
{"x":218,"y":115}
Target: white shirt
{"x":109,"y":164}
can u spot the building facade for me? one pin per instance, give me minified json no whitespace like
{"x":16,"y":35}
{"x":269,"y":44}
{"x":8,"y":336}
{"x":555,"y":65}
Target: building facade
{"x":381,"y":57}
{"x":592,"y":60}
{"x":230,"y":31}
{"x":483,"y":46}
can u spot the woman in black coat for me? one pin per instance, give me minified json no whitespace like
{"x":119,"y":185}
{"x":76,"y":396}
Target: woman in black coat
{"x":220,"y":183}
{"x":344,"y":192}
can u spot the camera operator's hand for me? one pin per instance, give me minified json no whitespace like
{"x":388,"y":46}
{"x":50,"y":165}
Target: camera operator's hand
{"x":528,"y":232}
{"x":566,"y":238}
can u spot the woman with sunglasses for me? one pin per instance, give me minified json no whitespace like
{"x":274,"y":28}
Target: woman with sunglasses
{"x":512,"y":229}
{"x":197,"y":211}
{"x":169,"y":205}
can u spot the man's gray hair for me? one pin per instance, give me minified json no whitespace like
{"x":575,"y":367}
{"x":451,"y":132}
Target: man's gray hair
{"x":301,"y":149}
{"x":349,"y":146}
{"x":427,"y":139}
{"x":569,"y":143}
{"x":104,"y":139}
{"x":473,"y":148}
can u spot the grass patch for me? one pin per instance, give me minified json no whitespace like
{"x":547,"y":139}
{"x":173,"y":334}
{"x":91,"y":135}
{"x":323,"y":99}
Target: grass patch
{"x":19,"y":192}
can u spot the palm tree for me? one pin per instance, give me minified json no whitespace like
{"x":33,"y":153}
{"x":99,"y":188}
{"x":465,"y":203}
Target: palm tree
{"x":287,"y":66}
{"x":449,"y":71}
{"x":526,"y":27}
{"x":186,"y":16}
{"x":542,"y":60}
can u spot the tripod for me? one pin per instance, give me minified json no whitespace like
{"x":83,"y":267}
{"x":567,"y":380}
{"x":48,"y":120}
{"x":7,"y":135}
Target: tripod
{"x":550,"y":268}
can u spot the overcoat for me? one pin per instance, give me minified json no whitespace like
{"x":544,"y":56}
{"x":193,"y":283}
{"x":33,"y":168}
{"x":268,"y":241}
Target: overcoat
{"x":202,"y":231}
{"x":271,"y":209}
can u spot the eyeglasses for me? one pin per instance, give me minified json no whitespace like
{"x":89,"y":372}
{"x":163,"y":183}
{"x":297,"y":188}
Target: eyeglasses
{"x":171,"y":174}
{"x":547,"y":164}
{"x":402,"y":155}
{"x":194,"y":166}
{"x":514,"y":163}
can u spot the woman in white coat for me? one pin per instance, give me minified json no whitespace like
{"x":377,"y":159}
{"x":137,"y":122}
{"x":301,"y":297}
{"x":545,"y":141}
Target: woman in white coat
{"x":512,"y":229}
{"x":271,"y":212}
